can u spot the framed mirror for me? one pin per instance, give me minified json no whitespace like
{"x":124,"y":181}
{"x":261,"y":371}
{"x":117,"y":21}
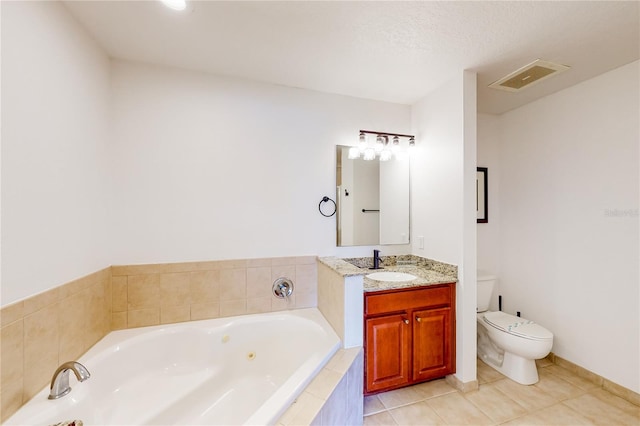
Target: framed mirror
{"x":372,"y":198}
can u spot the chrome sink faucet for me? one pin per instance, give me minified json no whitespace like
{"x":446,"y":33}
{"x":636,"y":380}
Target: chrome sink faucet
{"x":376,"y":260}
{"x":60,"y":381}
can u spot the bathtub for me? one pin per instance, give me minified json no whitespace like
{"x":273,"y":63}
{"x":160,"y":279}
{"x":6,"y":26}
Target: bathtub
{"x":238,"y":370}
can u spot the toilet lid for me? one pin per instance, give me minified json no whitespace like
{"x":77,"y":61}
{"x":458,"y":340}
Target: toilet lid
{"x":517,"y":326}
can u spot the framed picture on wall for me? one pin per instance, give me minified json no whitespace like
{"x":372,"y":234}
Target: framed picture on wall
{"x":482,"y":205}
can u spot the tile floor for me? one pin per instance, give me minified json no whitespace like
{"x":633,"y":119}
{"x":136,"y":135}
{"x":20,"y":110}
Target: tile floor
{"x":559,"y":398}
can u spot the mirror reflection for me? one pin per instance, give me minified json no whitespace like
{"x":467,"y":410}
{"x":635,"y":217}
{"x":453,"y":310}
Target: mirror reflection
{"x":372,"y":200}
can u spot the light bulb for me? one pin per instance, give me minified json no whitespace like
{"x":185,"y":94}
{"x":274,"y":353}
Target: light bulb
{"x":363,"y":142}
{"x":396,"y":144}
{"x":369,"y":154}
{"x":354,"y":153}
{"x":175,"y":4}
{"x":385,"y":155}
{"x":379,"y":143}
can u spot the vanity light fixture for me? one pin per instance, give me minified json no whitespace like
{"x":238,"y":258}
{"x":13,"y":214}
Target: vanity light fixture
{"x":175,"y":4}
{"x":381,"y":148}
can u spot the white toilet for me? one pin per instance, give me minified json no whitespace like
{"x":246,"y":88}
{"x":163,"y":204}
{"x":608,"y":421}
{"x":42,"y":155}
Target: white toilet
{"x":508,"y":343}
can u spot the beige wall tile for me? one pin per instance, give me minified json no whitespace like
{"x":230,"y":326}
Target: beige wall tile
{"x":233,"y":284}
{"x":73,"y":325}
{"x":119,"y":320}
{"x":119,"y":294}
{"x":11,"y":313}
{"x":98,"y":318}
{"x":229,"y":308}
{"x":306,"y":300}
{"x":12,"y":352}
{"x":143,"y":317}
{"x":173,"y":314}
{"x":202,"y":311}
{"x":231,"y":264}
{"x":258,"y":305}
{"x":41,"y":300}
{"x":278,"y":304}
{"x":280,"y":261}
{"x":143,"y":291}
{"x":306,"y":277}
{"x":306,"y":260}
{"x":41,"y":340}
{"x":254,"y":263}
{"x":259,"y":282}
{"x":205,"y":286}
{"x":288,"y":271}
{"x":11,"y":398}
{"x":175,"y":289}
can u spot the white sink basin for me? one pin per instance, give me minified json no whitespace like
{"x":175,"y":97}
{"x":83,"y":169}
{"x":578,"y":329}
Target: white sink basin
{"x":391,"y":276}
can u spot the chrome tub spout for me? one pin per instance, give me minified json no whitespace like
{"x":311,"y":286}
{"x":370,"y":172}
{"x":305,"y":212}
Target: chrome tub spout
{"x":60,"y":381}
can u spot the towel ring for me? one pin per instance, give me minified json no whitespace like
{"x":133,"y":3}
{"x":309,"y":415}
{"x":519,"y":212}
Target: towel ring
{"x":324,"y":200}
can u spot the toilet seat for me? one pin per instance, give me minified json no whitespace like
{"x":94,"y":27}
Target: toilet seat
{"x":517,"y":326}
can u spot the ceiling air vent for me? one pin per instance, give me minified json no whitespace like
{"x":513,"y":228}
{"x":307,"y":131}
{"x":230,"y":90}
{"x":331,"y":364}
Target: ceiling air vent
{"x":526,"y":76}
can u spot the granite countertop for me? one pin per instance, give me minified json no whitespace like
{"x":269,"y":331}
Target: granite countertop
{"x":427,"y":271}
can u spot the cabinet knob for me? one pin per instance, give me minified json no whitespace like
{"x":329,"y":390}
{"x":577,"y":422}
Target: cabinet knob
{"x":418,"y":318}
{"x":406,"y":321}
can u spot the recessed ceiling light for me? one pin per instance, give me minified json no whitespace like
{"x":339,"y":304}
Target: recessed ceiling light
{"x":175,"y":4}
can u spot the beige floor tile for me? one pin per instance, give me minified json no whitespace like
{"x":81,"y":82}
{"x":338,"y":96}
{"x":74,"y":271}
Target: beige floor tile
{"x":527,"y":420}
{"x":399,"y":397}
{"x":600,"y":412}
{"x":372,"y":405}
{"x":617,"y":402}
{"x":557,"y":387}
{"x":560,"y":414}
{"x":381,"y":419}
{"x":571,"y":377}
{"x":529,"y":397}
{"x":487,"y":374}
{"x":416,"y":414}
{"x":454,"y":409}
{"x":433,"y":388}
{"x":495,"y":404}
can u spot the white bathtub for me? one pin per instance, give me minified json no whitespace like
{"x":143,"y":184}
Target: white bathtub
{"x":237,"y":370}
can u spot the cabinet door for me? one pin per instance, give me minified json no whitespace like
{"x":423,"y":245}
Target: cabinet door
{"x":432,"y":346}
{"x":388,"y":347}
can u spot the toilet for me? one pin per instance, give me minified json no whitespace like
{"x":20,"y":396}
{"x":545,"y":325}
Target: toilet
{"x":508,"y":343}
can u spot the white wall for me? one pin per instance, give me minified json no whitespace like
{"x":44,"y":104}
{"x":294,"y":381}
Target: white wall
{"x":443,"y":197}
{"x":489,"y":138}
{"x":55,"y":92}
{"x":568,"y":220}
{"x":208,"y":167}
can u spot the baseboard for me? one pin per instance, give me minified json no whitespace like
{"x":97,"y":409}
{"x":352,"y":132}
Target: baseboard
{"x":608,"y":385}
{"x":463,"y":387}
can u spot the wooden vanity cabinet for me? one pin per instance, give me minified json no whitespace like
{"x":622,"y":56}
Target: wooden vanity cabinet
{"x":409,"y":336}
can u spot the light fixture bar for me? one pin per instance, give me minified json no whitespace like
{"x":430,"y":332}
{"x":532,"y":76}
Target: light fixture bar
{"x":371,"y":132}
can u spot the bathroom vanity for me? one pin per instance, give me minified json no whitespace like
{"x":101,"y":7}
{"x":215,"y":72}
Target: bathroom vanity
{"x":409,"y":336}
{"x":403,"y":315}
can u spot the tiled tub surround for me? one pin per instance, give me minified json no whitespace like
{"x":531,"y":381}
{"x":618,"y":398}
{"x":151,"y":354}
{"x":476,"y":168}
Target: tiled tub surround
{"x":41,"y":332}
{"x":334,"y":397}
{"x":168,"y":293}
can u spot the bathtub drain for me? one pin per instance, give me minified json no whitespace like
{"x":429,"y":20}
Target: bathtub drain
{"x":251,"y":356}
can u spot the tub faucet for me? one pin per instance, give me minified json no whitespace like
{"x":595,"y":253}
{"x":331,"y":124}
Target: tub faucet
{"x":376,"y":260}
{"x":60,"y":381}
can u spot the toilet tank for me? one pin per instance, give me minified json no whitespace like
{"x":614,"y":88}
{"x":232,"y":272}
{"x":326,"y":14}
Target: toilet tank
{"x":486,"y":282}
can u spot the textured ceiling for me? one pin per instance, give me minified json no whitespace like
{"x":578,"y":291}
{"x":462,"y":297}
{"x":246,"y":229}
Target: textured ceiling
{"x":394,"y":51}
